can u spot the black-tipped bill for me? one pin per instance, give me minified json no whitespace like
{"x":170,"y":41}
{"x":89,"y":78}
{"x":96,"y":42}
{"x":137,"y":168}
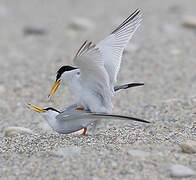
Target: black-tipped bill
{"x":54,"y":88}
{"x":36,"y":109}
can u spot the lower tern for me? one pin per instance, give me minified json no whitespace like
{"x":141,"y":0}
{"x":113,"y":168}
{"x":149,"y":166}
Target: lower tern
{"x":71,"y":120}
{"x":97,"y":66}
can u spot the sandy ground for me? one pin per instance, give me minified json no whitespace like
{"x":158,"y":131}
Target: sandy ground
{"x":161,"y":54}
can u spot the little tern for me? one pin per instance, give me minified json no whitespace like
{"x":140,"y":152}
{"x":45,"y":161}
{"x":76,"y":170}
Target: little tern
{"x":97,"y":66}
{"x":72,"y":120}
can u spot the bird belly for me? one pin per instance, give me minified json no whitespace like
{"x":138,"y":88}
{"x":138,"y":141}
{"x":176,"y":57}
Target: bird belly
{"x":69,"y":126}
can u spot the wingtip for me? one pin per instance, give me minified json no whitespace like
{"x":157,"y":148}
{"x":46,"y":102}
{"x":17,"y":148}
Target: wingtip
{"x":141,"y":120}
{"x":135,"y":15}
{"x":134,"y":85}
{"x":137,"y":10}
{"x":147,"y":121}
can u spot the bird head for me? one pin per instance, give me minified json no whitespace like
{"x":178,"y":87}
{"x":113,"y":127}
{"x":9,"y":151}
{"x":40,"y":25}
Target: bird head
{"x":45,"y":111}
{"x":62,"y":74}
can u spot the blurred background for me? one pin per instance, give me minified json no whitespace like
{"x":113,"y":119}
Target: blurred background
{"x":38,"y":37}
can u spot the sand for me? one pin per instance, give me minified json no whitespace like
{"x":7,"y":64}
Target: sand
{"x":38,"y":37}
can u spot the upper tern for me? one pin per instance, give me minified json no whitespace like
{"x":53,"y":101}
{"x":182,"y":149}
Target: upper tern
{"x":71,"y":120}
{"x":92,"y":80}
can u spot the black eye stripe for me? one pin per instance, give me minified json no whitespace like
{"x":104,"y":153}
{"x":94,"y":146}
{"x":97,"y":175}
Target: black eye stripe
{"x":62,"y":70}
{"x":51,"y":108}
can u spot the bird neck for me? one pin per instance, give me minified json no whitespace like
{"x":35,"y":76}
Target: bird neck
{"x":50,"y":116}
{"x":73,"y":83}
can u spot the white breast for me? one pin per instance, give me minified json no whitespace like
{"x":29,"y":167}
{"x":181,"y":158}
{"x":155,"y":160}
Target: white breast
{"x":86,"y":96}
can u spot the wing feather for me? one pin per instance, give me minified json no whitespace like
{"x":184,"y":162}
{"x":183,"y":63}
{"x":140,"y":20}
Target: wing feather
{"x":85,"y":115}
{"x":90,"y":62}
{"x":113,"y":46}
{"x":93,"y":74}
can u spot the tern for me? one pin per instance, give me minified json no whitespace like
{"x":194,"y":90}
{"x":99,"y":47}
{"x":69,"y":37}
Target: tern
{"x":97,"y":66}
{"x":72,"y":120}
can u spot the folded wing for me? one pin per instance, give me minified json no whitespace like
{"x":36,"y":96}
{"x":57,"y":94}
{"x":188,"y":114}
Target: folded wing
{"x":82,"y":115}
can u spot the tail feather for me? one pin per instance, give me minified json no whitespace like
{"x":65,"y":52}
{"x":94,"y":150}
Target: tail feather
{"x":126,"y":86}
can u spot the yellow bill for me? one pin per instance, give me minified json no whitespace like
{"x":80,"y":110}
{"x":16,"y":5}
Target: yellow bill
{"x":36,"y":109}
{"x":54,"y":88}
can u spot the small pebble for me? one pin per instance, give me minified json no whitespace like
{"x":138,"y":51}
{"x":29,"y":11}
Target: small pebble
{"x":188,"y":146}
{"x":180,"y":171}
{"x":12,"y":131}
{"x":81,"y":24}
{"x":189,"y":22}
{"x":67,"y":151}
{"x":34,"y":31}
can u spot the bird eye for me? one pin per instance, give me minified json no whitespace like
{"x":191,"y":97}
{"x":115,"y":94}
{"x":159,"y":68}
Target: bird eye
{"x":78,"y":73}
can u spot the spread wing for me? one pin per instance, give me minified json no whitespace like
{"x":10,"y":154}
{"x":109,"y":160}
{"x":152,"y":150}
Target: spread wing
{"x":82,"y":115}
{"x":113,"y":46}
{"x":93,"y":74}
{"x":91,"y":64}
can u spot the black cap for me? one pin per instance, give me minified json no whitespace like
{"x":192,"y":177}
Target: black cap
{"x":62,"y":70}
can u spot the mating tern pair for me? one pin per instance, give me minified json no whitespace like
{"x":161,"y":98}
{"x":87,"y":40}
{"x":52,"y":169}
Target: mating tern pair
{"x":92,"y":80}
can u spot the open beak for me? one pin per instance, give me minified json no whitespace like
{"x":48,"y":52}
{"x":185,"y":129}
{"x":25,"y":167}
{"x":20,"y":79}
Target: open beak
{"x":54,"y":88}
{"x":35,"y":108}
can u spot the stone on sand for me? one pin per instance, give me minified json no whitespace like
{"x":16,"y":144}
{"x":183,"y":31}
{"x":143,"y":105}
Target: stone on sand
{"x":81,"y":24}
{"x":188,"y":146}
{"x":12,"y":131}
{"x":180,"y":171}
{"x":189,"y":22}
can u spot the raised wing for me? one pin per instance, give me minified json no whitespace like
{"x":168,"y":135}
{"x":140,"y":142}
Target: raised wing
{"x":90,"y":62}
{"x":96,"y":116}
{"x":93,"y":74}
{"x":113,"y":46}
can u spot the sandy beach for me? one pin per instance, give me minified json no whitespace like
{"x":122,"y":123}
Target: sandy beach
{"x":38,"y":37}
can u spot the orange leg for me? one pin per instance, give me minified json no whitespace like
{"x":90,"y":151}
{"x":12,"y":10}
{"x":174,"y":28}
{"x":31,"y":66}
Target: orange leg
{"x":80,"y":109}
{"x":84,"y":132}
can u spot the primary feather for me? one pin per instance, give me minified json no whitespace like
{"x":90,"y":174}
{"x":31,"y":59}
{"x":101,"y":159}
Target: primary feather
{"x":112,"y":47}
{"x":88,"y":115}
{"x":94,"y":79}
